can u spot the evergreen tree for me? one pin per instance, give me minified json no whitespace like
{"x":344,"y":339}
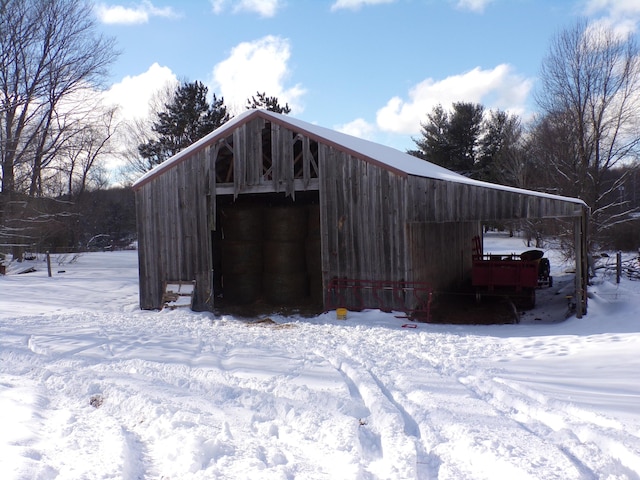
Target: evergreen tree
{"x":434,"y":144}
{"x":501,"y":157}
{"x":451,"y":139}
{"x":187,"y":118}
{"x":268,"y":103}
{"x":465,"y":127}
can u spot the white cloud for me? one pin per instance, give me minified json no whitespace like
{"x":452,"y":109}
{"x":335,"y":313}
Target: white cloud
{"x":259,"y":66}
{"x":617,"y":8}
{"x":356,"y":4}
{"x":623,"y":16}
{"x":133,"y":93}
{"x":496,"y":88}
{"x":264,"y":8}
{"x":358,"y":128}
{"x":473,"y":5}
{"x":117,"y":14}
{"x":218,"y":6}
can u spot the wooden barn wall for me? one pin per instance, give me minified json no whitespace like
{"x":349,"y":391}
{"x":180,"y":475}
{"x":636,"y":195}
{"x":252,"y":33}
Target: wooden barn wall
{"x":443,"y":201}
{"x":443,"y":217}
{"x":173,"y":232}
{"x":375,"y":224}
{"x":282,"y":159}
{"x":441,"y":252}
{"x":362,"y":218}
{"x":176,"y":210}
{"x":248,"y":155}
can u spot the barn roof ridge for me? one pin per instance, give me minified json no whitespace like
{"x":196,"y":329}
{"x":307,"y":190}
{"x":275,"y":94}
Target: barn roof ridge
{"x":381,"y":155}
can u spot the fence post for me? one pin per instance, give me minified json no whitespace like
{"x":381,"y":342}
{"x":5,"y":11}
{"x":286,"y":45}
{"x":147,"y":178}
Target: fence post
{"x":48,"y":263}
{"x":618,"y":266}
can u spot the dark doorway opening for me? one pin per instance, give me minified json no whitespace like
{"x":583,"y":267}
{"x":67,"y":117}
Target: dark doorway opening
{"x":267,"y":254}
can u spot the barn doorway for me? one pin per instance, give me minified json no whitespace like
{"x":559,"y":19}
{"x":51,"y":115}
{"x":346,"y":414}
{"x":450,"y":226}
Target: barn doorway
{"x":267,"y":254}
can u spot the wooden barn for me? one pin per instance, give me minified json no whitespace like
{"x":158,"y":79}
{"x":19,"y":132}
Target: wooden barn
{"x":271,"y":209}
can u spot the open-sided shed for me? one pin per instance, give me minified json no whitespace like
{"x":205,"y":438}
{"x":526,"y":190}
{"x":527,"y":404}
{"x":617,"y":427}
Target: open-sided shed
{"x":272,"y":208}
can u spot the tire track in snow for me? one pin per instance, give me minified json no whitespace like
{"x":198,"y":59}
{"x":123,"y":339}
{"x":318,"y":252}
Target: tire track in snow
{"x":565,"y":425}
{"x":425,"y":460}
{"x":92,"y":441}
{"x":488,"y":437}
{"x":370,"y":445}
{"x":389,"y":437}
{"x":458,"y":434}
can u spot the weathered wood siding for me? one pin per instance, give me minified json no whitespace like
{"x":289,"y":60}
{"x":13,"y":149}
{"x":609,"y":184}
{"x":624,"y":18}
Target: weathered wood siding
{"x":362,"y":219}
{"x":376,"y":222}
{"x":433,"y":200}
{"x":441,"y":252}
{"x":247,"y":153}
{"x":442,"y":217}
{"x":173,"y":232}
{"x":176,"y":211}
{"x":376,"y":228}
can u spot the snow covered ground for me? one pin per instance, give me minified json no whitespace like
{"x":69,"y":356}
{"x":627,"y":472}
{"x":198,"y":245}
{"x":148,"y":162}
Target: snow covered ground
{"x":93,"y":388}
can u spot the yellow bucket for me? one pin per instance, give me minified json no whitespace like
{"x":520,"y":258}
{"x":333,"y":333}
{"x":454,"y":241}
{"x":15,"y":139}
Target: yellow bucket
{"x":341,"y":313}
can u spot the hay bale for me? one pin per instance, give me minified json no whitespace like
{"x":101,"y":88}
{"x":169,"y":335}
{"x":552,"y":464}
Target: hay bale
{"x":241,"y":257}
{"x":242,"y":288}
{"x":284,"y":257}
{"x":285,"y":223}
{"x":316,"y":293}
{"x":244,"y":223}
{"x":313,"y":255}
{"x":313,"y":221}
{"x":285,"y":288}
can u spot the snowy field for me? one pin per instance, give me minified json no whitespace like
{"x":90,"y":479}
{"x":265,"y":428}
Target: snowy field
{"x":93,"y":388}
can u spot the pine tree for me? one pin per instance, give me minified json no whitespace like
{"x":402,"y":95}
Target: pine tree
{"x":268,"y":103}
{"x":501,"y":152}
{"x":187,"y":118}
{"x":434,"y":144}
{"x":465,"y":127}
{"x":451,"y":139}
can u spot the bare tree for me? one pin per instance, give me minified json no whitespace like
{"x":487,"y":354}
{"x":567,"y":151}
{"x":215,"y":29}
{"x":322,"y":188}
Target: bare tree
{"x":590,"y":102}
{"x":140,"y":130}
{"x":78,"y":163}
{"x":49,"y":52}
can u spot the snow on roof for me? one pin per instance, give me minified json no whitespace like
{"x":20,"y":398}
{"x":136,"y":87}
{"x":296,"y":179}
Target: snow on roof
{"x":359,"y":147}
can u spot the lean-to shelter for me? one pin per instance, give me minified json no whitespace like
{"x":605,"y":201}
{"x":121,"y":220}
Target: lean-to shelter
{"x":269,"y":208}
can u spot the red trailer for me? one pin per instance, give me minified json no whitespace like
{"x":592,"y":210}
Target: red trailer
{"x":513,"y":275}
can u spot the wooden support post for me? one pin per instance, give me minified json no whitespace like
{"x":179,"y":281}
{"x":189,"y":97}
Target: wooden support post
{"x":579,"y":254}
{"x":48,"y":263}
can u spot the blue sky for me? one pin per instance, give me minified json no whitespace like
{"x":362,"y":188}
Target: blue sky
{"x":371,"y":68}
